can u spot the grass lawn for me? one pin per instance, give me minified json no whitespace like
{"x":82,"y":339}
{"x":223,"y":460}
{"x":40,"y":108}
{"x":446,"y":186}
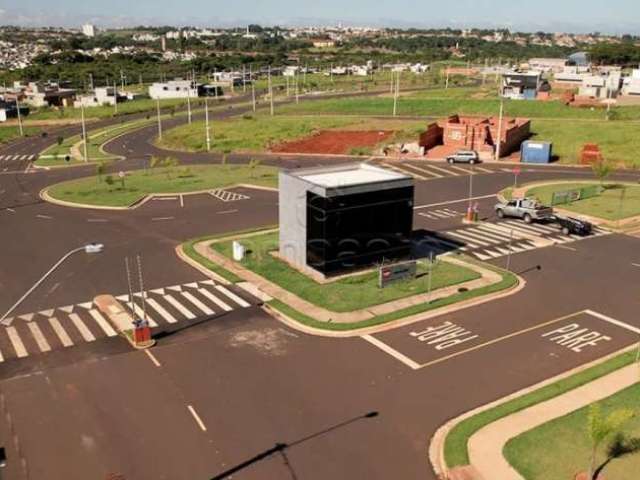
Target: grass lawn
{"x":344,"y":295}
{"x":617,"y":201}
{"x":618,"y":140}
{"x":8,"y":134}
{"x":140,"y":183}
{"x":561,"y":448}
{"x":261,"y":132}
{"x":455,"y":448}
{"x":124,"y":108}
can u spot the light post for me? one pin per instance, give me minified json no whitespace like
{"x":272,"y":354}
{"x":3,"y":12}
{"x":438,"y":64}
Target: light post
{"x":19,"y":118}
{"x":159,"y":121}
{"x":89,"y":248}
{"x":84,"y":132}
{"x":206,"y":121}
{"x":470,"y":207}
{"x":509,"y":248}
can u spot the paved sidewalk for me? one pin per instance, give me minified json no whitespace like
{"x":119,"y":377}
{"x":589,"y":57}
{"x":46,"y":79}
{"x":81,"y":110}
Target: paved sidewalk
{"x":489,"y":277}
{"x":487,"y":444}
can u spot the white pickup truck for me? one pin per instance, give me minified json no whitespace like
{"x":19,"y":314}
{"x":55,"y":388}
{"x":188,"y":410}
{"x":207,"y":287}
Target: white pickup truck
{"x":528,"y":209}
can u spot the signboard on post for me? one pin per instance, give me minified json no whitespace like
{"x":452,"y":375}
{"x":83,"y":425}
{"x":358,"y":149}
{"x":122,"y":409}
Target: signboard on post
{"x":388,"y":274}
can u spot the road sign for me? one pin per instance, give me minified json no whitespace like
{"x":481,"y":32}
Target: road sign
{"x":516,"y":171}
{"x":395,"y":273}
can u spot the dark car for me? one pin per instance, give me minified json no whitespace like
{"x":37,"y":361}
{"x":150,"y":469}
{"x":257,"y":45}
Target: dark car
{"x":575,"y":226}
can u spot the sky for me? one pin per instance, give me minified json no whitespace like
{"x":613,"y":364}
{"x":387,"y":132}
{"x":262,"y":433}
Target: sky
{"x":612,"y":16}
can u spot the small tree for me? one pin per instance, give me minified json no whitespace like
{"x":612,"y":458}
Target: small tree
{"x":601,"y":428}
{"x":253,"y":164}
{"x":169,"y":163}
{"x":100,"y":169}
{"x":60,"y":140}
{"x":601,"y":170}
{"x":620,"y":446}
{"x":154,"y":161}
{"x":109,"y":180}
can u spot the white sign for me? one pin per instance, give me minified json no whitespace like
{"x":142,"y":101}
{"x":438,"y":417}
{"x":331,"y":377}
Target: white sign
{"x":444,"y":336}
{"x":575,"y":338}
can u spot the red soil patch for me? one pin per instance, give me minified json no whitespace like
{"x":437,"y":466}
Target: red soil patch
{"x":334,"y":141}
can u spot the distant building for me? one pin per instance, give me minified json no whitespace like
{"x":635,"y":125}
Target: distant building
{"x":554,"y":65}
{"x":601,"y":86}
{"x":88,"y":30}
{"x":323,"y":43}
{"x":175,"y":89}
{"x":48,"y":95}
{"x":101,"y":96}
{"x":631,"y":84}
{"x":521,"y":86}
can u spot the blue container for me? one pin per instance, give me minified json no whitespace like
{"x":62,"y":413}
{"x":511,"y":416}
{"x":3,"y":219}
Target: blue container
{"x":536,"y":152}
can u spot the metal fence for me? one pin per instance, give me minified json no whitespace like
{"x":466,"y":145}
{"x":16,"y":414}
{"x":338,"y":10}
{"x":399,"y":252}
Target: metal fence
{"x":570,"y":196}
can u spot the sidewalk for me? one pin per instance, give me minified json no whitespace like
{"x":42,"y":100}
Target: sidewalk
{"x":486,"y":445}
{"x":488,"y":277}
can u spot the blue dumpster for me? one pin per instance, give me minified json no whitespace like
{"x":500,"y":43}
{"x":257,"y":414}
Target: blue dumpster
{"x":536,"y":152}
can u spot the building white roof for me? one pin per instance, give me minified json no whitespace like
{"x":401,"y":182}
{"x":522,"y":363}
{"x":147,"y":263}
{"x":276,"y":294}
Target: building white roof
{"x":350,"y":175}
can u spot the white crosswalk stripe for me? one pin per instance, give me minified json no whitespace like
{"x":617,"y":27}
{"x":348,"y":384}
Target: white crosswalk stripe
{"x":42,"y":332}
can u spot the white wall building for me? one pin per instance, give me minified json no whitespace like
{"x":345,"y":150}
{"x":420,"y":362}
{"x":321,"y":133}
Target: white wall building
{"x":631,"y":84}
{"x":101,"y":96}
{"x":174,"y":89}
{"x":88,"y":30}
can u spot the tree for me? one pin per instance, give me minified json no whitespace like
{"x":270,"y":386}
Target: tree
{"x":253,"y":164}
{"x":601,"y":170}
{"x":100,"y":169}
{"x":169,"y":163}
{"x":59,"y":140}
{"x":601,"y":428}
{"x":620,"y":446}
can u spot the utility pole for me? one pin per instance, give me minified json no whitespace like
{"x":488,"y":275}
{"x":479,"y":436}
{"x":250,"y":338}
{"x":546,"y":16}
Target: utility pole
{"x":297,"y":88}
{"x":19,"y":118}
{"x":206,"y":123}
{"x":142,"y":292}
{"x":189,"y":102}
{"x":244,"y":78}
{"x":253,"y":96}
{"x":396,"y":93}
{"x":430,"y":275}
{"x":115,"y":96}
{"x":270,"y":90}
{"x":91,"y":81}
{"x":470,"y":207}
{"x":446,"y":84}
{"x":287,"y":80}
{"x":159,"y":121}
{"x":84,"y":132}
{"x":499,"y":139}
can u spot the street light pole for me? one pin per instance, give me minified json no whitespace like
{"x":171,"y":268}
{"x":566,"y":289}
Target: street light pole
{"x":159,"y":121}
{"x":206,"y":122}
{"x":84,"y":132}
{"x":509,"y":248}
{"x":19,"y":118}
{"x":90,"y":248}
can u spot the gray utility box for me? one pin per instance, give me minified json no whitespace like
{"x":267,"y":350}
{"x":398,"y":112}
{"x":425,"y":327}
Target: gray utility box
{"x":337,"y":219}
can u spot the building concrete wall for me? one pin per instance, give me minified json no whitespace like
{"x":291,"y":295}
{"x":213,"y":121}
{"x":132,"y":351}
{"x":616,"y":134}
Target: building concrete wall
{"x":292,"y":208}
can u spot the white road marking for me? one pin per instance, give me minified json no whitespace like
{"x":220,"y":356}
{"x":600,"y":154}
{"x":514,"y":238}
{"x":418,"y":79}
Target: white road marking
{"x":43,"y":345}
{"x":472,"y":244}
{"x":485,"y":170}
{"x":60,"y":332}
{"x":463,"y":170}
{"x":104,"y":324}
{"x":391,"y":351}
{"x":97,"y":220}
{"x":444,"y":170}
{"x":182,"y":201}
{"x":152,"y":358}
{"x":1,"y":357}
{"x":233,"y":296}
{"x":636,"y":264}
{"x":215,"y":299}
{"x":46,"y":217}
{"x":163,"y":313}
{"x":428,"y":172}
{"x":449,"y":202}
{"x":82,"y":328}
{"x":160,"y":219}
{"x":141,"y":313}
{"x":226,"y":211}
{"x":178,"y":306}
{"x":566,"y":248}
{"x":203,"y":308}
{"x":613,"y":321}
{"x":197,"y":418}
{"x":16,"y":341}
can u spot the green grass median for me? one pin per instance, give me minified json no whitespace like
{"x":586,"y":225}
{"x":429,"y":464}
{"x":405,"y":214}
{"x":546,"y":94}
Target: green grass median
{"x":111,"y":191}
{"x":562,"y":447}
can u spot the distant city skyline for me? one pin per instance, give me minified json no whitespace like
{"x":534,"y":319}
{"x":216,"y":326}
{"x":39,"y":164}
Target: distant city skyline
{"x":615,"y":16}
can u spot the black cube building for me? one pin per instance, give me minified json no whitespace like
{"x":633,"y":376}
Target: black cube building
{"x":337,"y":219}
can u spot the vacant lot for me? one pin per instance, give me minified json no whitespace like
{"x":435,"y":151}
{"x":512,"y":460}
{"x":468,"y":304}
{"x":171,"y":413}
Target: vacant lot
{"x":112,"y":191}
{"x":615,"y":203}
{"x":561,"y":448}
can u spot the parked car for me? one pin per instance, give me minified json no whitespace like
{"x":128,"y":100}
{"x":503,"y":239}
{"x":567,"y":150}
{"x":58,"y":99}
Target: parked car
{"x":575,"y":226}
{"x":464,"y":156}
{"x":525,"y":208}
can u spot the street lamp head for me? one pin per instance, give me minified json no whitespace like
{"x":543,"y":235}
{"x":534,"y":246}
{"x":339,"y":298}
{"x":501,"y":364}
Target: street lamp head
{"x":94,"y":247}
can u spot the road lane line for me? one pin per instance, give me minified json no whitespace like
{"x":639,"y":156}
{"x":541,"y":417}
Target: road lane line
{"x":482,"y":197}
{"x":233,"y":296}
{"x":464,"y":170}
{"x":201,"y":306}
{"x":16,"y":341}
{"x":226,"y":211}
{"x":182,"y":201}
{"x":613,"y":321}
{"x":215,"y":299}
{"x":152,"y":358}
{"x":43,"y":345}
{"x":100,"y":320}
{"x":444,"y":170}
{"x":178,"y":306}
{"x":160,"y":219}
{"x":391,"y":351}
{"x":60,"y":332}
{"x":46,"y":217}
{"x":163,"y":313}
{"x":82,"y":328}
{"x":197,"y":418}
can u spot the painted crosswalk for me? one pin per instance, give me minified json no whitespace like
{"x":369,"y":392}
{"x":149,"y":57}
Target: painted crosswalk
{"x":17,"y":158}
{"x":228,"y":196}
{"x":440,"y":214}
{"x":429,"y":170}
{"x":82,"y":323}
{"x":486,"y":241}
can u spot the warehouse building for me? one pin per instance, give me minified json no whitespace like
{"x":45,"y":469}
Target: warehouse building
{"x":337,"y":219}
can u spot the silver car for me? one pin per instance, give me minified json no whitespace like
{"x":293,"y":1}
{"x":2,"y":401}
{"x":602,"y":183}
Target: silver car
{"x":464,"y":156}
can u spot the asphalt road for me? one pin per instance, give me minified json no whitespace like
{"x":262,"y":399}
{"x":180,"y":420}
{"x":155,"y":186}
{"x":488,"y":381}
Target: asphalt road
{"x":219,"y":396}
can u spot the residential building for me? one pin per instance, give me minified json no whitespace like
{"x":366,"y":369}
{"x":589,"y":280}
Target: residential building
{"x":554,"y":65}
{"x":101,"y":96}
{"x":88,"y":30}
{"x":631,"y":84}
{"x":521,"y":86}
{"x":175,"y":89}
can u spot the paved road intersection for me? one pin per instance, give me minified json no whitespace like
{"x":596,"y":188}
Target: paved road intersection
{"x":66,"y":326}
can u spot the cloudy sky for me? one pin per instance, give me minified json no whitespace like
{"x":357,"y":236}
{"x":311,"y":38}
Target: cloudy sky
{"x":616,"y":16}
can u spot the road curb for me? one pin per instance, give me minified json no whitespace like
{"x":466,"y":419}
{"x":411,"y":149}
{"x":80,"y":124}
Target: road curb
{"x":437,"y":442}
{"x":205,"y":271}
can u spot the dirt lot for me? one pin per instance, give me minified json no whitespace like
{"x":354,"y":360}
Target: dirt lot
{"x":333,"y":141}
